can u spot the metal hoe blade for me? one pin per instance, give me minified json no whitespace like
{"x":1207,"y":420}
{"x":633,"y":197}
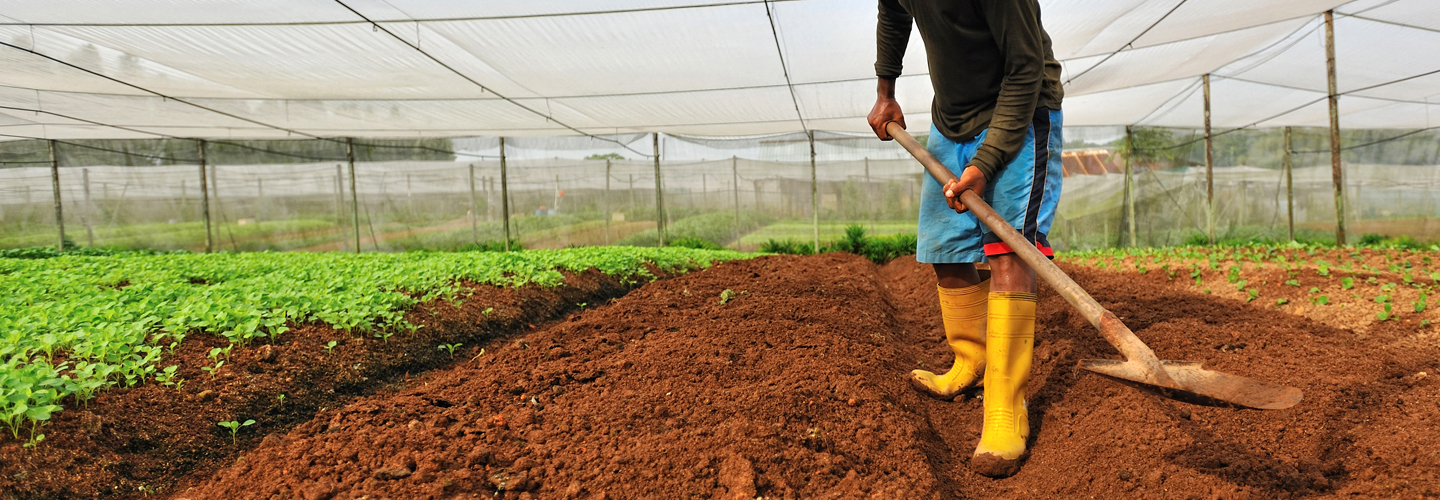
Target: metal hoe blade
{"x":1181,"y":380}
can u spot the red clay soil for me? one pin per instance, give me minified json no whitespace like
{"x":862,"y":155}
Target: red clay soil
{"x":136,"y":442}
{"x":794,"y":388}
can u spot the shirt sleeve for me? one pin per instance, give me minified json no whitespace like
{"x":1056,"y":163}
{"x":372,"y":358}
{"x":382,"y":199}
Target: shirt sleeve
{"x":892,"y":35}
{"x":1015,"y":25}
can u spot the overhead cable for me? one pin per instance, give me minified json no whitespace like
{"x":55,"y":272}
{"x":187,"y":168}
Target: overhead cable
{"x":1128,"y":44}
{"x":785,"y":68}
{"x":482,"y":86}
{"x":407,"y":21}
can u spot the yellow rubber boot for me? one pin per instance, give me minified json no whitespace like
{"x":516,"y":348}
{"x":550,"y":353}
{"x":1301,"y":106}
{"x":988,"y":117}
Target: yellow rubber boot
{"x":964,"y":312}
{"x":1010,"y":339}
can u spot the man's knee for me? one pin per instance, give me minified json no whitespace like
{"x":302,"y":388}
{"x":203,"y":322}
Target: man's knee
{"x":1011,"y":274}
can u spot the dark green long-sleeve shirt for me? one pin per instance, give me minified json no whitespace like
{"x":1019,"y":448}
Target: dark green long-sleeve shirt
{"x":990,"y":63}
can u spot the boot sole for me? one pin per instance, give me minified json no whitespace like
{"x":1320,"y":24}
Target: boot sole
{"x":925,"y":389}
{"x":987,"y":464}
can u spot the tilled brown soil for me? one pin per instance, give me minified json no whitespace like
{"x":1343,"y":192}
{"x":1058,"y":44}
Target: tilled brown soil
{"x":137,"y":442}
{"x":794,"y":388}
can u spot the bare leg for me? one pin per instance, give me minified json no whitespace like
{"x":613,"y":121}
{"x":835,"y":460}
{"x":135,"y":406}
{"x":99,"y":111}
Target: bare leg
{"x":957,"y":275}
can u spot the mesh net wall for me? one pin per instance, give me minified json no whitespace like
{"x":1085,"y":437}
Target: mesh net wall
{"x":445,"y":194}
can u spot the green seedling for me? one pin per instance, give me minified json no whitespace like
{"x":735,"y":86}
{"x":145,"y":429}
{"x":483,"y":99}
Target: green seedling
{"x":280,"y":399}
{"x":234,"y":427}
{"x":1347,"y":283}
{"x":726,"y":295}
{"x":1314,"y":289}
{"x":329,"y":346}
{"x":1382,"y":298}
{"x":384,"y":335}
{"x":212,"y":370}
{"x":1253,"y":293}
{"x":1320,"y":300}
{"x":1386,"y":314}
{"x":1281,"y":302}
{"x":168,"y":378}
{"x":1292,"y":282}
{"x":1240,"y":286}
{"x":487,"y":311}
{"x":582,"y":305}
{"x":450,"y":348}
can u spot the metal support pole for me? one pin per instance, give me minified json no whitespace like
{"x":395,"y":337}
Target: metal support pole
{"x":1289,"y":186}
{"x":474,"y":210}
{"x":735,"y":190}
{"x":605,"y":201}
{"x":89,"y":227}
{"x":814,"y":193}
{"x":504,"y":195}
{"x":659,"y":193}
{"x":55,"y":184}
{"x":1209,"y":169}
{"x":354,"y":194}
{"x":1130,"y":185}
{"x":1336,"y":173}
{"x":205,"y":198}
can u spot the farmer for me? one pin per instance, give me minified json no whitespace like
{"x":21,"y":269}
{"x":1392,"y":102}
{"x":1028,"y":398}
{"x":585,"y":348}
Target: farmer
{"x":996,"y":123}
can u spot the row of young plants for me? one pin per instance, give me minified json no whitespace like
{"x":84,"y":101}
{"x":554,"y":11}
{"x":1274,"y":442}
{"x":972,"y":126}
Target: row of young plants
{"x":880,"y":249}
{"x":1387,"y":269}
{"x":73,"y":325}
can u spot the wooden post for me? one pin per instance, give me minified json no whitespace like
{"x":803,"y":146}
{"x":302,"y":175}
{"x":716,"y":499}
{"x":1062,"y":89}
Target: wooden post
{"x":474,"y":209}
{"x":504,"y":195}
{"x":605,"y":201}
{"x":205,"y":197}
{"x":55,"y":184}
{"x":1209,"y":168}
{"x":89,"y":227}
{"x":354,"y":194}
{"x":869,"y":196}
{"x":1130,"y":185}
{"x":814,"y":193}
{"x":1337,"y":175}
{"x":659,"y":193}
{"x":340,"y":204}
{"x":260,"y":198}
{"x":1289,"y":186}
{"x":735,"y":191}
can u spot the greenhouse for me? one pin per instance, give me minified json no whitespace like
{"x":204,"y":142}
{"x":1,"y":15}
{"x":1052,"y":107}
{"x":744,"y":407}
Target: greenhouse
{"x":653,"y":249}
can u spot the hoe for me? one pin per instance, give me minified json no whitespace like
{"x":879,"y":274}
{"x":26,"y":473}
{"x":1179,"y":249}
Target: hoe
{"x":1180,"y":380}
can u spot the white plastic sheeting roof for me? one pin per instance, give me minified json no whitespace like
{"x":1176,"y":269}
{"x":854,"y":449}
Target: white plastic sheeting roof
{"x":292,"y":68}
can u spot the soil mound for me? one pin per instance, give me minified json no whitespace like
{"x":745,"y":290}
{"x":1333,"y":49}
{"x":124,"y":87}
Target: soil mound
{"x":791,"y":385}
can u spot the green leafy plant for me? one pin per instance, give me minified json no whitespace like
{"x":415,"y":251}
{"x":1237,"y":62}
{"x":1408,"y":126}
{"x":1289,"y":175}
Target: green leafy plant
{"x":1320,"y":300}
{"x":1252,"y":294}
{"x":1347,"y":283}
{"x":1386,"y":314}
{"x":234,"y":426}
{"x":330,"y":346}
{"x":726,"y":295}
{"x":450,"y":348}
{"x":213,"y":370}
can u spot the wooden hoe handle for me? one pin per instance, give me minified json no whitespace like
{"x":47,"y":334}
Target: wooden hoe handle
{"x":1115,"y":332}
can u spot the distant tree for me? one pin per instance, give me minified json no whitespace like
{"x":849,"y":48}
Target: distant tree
{"x":606,"y":156}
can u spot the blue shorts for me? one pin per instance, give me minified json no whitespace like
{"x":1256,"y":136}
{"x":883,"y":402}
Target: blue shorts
{"x":1025,"y":192}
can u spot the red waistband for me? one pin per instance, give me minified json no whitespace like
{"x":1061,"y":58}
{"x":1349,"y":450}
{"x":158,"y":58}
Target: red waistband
{"x":1002,"y":248}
